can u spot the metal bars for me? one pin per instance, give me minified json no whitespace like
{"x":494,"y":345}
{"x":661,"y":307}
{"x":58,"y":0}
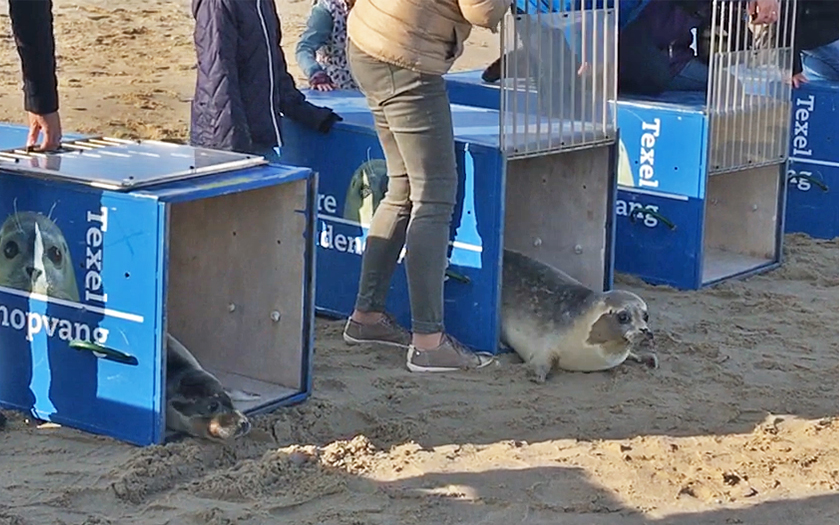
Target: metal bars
{"x":748,"y":95}
{"x":559,"y":68}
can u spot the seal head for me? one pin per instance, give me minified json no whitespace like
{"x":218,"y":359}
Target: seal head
{"x":34,"y":257}
{"x":624,"y":322}
{"x":196,"y":402}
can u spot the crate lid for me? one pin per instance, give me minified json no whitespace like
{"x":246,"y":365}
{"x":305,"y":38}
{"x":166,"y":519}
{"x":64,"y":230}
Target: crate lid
{"x":124,"y":165}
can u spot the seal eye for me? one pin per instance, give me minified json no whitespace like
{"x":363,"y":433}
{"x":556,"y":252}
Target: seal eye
{"x":645,"y":317}
{"x":55,"y":255}
{"x":623,"y":317}
{"x":213,"y":406}
{"x":11,"y":250}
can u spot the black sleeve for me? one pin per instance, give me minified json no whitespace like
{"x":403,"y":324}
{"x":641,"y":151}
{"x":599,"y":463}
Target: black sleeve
{"x":32,"y":25}
{"x":293,"y":103}
{"x":643,"y":69}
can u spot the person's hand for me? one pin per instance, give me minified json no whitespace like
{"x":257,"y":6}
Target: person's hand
{"x":798,"y":79}
{"x":50,"y":124}
{"x":764,"y":11}
{"x":321,"y":81}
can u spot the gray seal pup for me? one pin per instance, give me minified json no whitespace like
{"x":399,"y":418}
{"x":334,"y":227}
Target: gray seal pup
{"x":34,"y":257}
{"x":549,"y":319}
{"x":196,"y":402}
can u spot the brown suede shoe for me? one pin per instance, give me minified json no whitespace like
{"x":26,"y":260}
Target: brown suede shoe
{"x":386,"y":331}
{"x":449,"y":356}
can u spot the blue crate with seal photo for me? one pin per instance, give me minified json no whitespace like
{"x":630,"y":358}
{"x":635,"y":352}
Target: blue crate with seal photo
{"x":110,"y":245}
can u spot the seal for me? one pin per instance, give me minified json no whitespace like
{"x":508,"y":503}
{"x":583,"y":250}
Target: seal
{"x":367,"y":188}
{"x":549,"y":319}
{"x":196,"y":402}
{"x":34,"y":257}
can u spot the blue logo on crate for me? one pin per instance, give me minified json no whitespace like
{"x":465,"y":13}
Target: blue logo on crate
{"x":78,"y":291}
{"x":662,"y":149}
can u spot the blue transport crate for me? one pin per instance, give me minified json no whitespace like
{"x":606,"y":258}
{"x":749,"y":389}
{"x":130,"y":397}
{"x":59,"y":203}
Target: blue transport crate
{"x":812,"y":190}
{"x":675,"y":223}
{"x":555,"y":207}
{"x":116,"y":243}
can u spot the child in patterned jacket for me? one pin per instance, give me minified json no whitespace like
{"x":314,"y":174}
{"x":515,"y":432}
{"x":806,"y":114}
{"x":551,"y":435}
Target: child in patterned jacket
{"x":320,"y":53}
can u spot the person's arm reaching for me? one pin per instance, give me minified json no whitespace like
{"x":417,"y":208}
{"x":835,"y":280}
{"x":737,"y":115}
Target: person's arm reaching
{"x":32,"y":26}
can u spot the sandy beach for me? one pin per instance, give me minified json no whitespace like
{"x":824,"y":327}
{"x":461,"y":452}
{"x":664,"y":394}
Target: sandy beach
{"x":738,"y":425}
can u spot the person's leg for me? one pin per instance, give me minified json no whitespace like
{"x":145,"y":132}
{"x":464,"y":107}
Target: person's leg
{"x":693,"y":77}
{"x":821,"y":62}
{"x":369,"y":323}
{"x":419,"y":116}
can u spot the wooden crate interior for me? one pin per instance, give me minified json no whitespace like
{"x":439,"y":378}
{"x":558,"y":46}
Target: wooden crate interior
{"x":556,"y":210}
{"x":741,"y":221}
{"x":235,"y":262}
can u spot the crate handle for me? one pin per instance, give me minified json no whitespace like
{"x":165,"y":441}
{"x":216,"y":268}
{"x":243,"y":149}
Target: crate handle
{"x":813,"y":180}
{"x":664,"y":220}
{"x":461,"y":278}
{"x":103,"y":352}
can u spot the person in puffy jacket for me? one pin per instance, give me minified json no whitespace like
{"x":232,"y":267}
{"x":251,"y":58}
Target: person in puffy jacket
{"x":243,"y":87}
{"x":398,"y":52}
{"x":321,"y":50}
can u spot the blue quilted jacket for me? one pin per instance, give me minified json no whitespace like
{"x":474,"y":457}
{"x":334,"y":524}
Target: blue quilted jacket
{"x":242,"y":85}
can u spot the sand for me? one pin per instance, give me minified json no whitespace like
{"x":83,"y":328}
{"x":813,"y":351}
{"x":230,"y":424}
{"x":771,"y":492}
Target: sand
{"x":739,"y":425}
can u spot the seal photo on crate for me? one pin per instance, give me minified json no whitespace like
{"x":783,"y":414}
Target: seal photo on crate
{"x":35,"y":257}
{"x":549,"y":319}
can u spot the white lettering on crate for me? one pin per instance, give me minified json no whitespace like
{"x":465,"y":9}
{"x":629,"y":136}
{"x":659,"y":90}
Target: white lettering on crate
{"x":801,"y":180}
{"x":93,"y":257}
{"x":638,"y":210}
{"x":34,"y":323}
{"x":648,"y":141}
{"x":804,"y":107}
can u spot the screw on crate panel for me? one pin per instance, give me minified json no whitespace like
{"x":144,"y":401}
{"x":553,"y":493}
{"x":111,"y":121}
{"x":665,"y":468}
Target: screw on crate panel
{"x":537,"y":241}
{"x":275,"y":316}
{"x":231,"y":307}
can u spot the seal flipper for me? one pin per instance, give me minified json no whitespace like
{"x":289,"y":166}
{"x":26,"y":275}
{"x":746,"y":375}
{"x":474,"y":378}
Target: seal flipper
{"x":539,"y":369}
{"x":646,"y":358}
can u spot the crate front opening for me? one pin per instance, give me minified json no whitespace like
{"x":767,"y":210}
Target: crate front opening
{"x":235,"y":285}
{"x":556,"y":211}
{"x":742,"y":222}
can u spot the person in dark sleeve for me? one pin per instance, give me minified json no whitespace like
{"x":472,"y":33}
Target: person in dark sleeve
{"x":243,"y":86}
{"x":654,"y":43}
{"x":32,"y":25}
{"x":815,"y":52}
